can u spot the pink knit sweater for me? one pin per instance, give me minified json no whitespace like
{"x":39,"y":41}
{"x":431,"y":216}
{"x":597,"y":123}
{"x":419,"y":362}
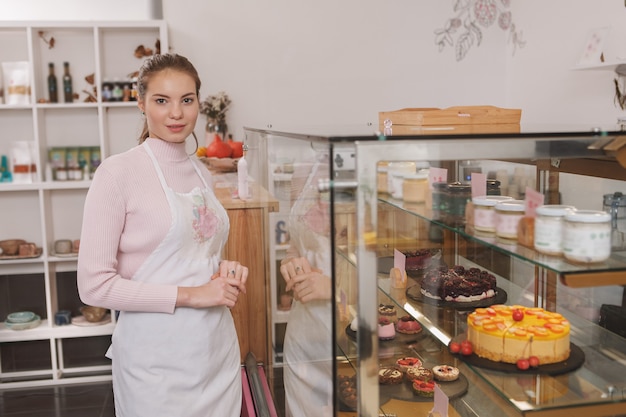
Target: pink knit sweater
{"x":126,"y":216}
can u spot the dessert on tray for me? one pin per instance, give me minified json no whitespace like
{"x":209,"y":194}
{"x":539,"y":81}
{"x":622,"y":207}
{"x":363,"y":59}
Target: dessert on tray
{"x":510,"y":334}
{"x":458,"y":284}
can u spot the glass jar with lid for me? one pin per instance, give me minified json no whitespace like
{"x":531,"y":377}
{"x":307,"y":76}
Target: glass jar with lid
{"x":382,"y":171}
{"x":395,"y":176}
{"x":548,"y":235}
{"x":508,"y":215}
{"x":485,"y":212}
{"x":415,"y":187}
{"x":457,"y":196}
{"x":587,"y":236}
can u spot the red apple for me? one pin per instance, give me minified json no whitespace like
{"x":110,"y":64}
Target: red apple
{"x":454,"y":347}
{"x":466,"y":350}
{"x":522,"y":364}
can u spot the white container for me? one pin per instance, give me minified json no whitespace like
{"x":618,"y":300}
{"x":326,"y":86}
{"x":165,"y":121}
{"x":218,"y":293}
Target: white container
{"x":382,"y":179}
{"x":415,"y":187}
{"x":549,"y":221}
{"x":485,"y":212}
{"x":587,"y":236}
{"x":508,"y":215}
{"x":395,"y":176}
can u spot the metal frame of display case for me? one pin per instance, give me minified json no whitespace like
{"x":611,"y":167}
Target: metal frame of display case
{"x":368,"y":151}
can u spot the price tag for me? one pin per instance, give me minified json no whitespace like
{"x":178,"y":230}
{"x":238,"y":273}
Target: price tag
{"x":532,"y":200}
{"x":441,"y":403}
{"x":399,"y":260}
{"x":437,"y":175}
{"x":479,"y":184}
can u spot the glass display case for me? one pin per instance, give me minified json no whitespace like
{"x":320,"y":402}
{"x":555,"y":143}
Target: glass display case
{"x":351,"y":237}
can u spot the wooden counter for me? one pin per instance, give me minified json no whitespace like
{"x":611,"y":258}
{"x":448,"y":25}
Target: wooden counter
{"x":248,"y":244}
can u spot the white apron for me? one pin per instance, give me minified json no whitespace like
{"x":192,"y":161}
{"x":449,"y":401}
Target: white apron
{"x":308,"y":338}
{"x":185,"y":364}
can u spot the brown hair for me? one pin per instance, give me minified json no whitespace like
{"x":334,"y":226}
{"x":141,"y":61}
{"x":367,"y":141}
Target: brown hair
{"x":158,"y":63}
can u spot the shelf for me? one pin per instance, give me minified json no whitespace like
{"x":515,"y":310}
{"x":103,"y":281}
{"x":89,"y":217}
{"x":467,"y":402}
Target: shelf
{"x":611,"y":272}
{"x":617,"y":66}
{"x":45,"y":331}
{"x":45,"y":211}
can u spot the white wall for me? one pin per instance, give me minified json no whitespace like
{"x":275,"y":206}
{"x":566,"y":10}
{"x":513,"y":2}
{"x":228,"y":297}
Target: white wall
{"x":286,"y":62}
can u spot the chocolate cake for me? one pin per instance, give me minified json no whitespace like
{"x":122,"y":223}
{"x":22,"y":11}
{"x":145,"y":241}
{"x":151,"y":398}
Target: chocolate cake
{"x":417,"y":260}
{"x":458,"y":284}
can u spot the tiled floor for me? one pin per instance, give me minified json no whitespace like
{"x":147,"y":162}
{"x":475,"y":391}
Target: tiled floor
{"x":84,"y":400}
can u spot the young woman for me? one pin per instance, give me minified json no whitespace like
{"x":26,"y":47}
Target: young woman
{"x":152,"y":236}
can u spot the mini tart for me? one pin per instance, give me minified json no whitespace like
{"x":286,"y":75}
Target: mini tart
{"x":389,"y":375}
{"x":408,"y":362}
{"x":388,"y":311}
{"x":408,"y":325}
{"x":423,"y":389}
{"x":445,"y":373}
{"x":419,"y":374}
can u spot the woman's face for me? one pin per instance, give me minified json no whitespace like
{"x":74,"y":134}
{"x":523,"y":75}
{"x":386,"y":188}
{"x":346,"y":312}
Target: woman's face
{"x":170,"y":105}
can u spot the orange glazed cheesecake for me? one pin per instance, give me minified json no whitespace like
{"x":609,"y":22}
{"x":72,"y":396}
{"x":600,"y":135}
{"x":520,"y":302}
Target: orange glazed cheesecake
{"x":504,"y":333}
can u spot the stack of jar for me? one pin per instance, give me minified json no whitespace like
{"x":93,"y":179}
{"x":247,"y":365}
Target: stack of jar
{"x":582,"y":236}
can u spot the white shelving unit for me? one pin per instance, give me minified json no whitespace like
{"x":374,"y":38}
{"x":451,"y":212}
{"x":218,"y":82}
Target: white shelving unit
{"x":46,"y":210}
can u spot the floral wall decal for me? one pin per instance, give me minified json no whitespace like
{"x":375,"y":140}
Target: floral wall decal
{"x":465,"y":29}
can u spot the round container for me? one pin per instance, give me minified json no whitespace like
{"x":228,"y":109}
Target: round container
{"x":457,"y":196}
{"x":508,"y":215}
{"x":415,"y":187}
{"x":485,"y":212}
{"x":493,"y":187}
{"x":587,"y":236}
{"x":549,"y":228}
{"x":395,"y":176}
{"x":439,"y":200}
{"x":382,"y":180}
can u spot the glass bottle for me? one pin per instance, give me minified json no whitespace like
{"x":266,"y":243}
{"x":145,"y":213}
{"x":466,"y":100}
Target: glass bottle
{"x":242,"y":176}
{"x":53,"y":92}
{"x":68,"y":94}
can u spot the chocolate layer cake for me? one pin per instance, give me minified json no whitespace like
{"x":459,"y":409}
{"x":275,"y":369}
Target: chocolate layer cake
{"x":458,"y":284}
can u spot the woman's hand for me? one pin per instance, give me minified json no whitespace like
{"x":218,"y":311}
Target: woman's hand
{"x":307,"y":283}
{"x":223,"y":288}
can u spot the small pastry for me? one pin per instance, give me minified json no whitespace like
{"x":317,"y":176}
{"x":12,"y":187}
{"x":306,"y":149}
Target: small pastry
{"x":446,"y":373}
{"x":388,"y":311}
{"x":419,"y":374}
{"x":386,"y":329}
{"x":408,"y":325}
{"x":389,"y":375}
{"x":424,"y":389}
{"x":408,"y":362}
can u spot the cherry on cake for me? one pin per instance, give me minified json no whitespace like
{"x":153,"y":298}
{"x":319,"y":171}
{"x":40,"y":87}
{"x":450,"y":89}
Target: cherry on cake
{"x":458,"y":284}
{"x":503,"y":333}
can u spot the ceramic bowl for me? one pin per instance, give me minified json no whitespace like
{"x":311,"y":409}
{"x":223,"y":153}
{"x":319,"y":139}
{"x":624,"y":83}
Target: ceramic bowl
{"x":93,"y":314}
{"x":21,"y":317}
{"x":10,"y":247}
{"x":36,"y":321}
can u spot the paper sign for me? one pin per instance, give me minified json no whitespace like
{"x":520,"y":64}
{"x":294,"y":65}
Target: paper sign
{"x":436,"y":175}
{"x":399,"y":259}
{"x":441,"y":403}
{"x":532,"y":200}
{"x":479,"y":184}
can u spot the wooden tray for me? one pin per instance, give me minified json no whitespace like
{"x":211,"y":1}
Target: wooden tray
{"x":36,"y":255}
{"x":459,"y":115}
